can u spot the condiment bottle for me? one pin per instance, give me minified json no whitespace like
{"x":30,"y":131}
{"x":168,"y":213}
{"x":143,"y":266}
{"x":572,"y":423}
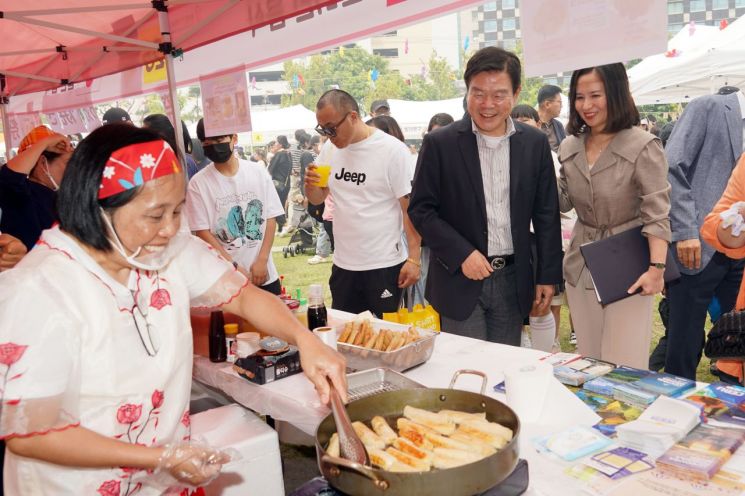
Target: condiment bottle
{"x":317,"y":316}
{"x":218,"y":351}
{"x":231,"y":331}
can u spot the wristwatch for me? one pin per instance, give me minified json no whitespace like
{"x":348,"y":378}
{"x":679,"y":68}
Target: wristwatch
{"x":657,"y":265}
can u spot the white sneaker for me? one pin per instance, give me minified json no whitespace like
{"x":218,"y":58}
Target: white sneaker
{"x":316,"y":259}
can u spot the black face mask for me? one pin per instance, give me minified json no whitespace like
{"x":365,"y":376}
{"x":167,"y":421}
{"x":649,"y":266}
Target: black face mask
{"x":219,"y":153}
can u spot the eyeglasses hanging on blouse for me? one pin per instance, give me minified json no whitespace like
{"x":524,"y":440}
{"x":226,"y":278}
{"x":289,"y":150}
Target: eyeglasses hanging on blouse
{"x":144,"y":329}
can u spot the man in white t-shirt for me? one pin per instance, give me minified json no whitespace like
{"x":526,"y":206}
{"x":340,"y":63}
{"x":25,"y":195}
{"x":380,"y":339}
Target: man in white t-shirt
{"x":232,"y":204}
{"x":370,"y":182}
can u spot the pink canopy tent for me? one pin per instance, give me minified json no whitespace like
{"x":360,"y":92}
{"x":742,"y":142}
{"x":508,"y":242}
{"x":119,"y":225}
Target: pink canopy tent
{"x":49,"y":46}
{"x":222,"y":36}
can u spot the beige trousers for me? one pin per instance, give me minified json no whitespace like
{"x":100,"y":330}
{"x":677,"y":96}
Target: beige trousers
{"x":620,"y":332}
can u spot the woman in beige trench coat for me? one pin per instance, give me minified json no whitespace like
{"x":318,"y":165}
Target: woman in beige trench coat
{"x":614,"y":175}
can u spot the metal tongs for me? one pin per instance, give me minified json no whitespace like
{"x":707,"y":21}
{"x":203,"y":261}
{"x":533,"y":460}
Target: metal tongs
{"x":350,"y":445}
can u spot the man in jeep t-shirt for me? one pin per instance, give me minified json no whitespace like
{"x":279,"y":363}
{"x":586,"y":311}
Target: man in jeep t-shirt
{"x":370,"y":183}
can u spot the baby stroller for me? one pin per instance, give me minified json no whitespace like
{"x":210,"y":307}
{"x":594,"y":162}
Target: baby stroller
{"x":303,"y":239}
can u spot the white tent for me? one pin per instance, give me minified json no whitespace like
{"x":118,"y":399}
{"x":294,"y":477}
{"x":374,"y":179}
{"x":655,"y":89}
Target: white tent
{"x":413,"y":117}
{"x":703,"y":61}
{"x":268,"y":124}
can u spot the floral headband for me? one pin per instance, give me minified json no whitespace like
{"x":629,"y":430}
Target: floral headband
{"x":136,"y":164}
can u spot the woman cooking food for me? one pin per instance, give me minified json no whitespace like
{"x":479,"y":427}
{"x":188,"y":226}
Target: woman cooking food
{"x":95,"y":342}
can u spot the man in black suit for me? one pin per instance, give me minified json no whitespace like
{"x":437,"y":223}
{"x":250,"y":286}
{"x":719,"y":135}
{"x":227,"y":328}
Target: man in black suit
{"x":479,"y":183}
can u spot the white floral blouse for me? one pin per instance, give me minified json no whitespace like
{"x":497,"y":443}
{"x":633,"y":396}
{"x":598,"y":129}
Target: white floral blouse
{"x":79,"y":348}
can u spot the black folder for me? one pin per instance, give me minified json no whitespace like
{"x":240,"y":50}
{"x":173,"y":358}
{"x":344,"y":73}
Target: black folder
{"x":616,"y":262}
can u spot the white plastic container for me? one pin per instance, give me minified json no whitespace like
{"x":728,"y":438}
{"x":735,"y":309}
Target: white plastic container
{"x":259,"y":471}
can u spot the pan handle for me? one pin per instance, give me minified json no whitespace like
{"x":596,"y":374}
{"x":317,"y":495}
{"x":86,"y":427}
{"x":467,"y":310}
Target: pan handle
{"x":458,"y":373}
{"x":356,"y":467}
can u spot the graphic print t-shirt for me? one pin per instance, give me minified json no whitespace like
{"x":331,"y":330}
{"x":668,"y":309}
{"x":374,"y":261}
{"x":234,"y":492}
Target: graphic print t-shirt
{"x":235,"y":210}
{"x":367,"y":180}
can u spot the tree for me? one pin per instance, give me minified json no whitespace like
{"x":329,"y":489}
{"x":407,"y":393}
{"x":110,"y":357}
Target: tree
{"x":437,"y":84}
{"x":350,"y":70}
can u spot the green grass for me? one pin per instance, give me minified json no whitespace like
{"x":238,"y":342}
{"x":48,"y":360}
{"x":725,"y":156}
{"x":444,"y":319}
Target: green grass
{"x":299,"y":274}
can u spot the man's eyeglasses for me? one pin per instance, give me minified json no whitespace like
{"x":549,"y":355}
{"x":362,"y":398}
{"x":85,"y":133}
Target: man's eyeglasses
{"x":330,"y":131}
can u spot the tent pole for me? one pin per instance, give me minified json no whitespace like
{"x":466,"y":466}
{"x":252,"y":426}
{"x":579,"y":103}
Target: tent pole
{"x":165,"y":31}
{"x":6,"y":127}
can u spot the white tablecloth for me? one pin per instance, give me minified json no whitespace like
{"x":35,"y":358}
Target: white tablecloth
{"x":294,"y":400}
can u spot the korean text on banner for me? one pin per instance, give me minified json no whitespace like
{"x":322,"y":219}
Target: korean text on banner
{"x":607,"y":30}
{"x":226,"y":104}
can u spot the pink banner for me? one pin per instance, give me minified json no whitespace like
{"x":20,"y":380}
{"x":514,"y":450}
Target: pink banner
{"x":226,"y":104}
{"x":20,"y":125}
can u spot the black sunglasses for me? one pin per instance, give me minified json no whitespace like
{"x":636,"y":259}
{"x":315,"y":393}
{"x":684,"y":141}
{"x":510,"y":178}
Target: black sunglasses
{"x":330,"y":131}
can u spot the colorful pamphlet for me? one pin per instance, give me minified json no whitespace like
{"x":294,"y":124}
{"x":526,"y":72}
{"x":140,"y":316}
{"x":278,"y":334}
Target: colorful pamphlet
{"x":688,"y":463}
{"x":602,"y":385}
{"x":619,"y":462}
{"x":701,"y":453}
{"x":560,"y":358}
{"x":723,"y":404}
{"x":581,"y":370}
{"x":628,"y":393}
{"x":573,"y":443}
{"x":667,"y":384}
{"x":614,"y":414}
{"x":627,"y":374}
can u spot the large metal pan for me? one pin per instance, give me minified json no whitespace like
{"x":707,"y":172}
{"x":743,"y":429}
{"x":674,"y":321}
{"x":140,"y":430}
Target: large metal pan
{"x":466,"y":480}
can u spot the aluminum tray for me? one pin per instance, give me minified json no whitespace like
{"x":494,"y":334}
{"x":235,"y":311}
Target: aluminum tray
{"x":406,"y":357}
{"x":374,"y":381}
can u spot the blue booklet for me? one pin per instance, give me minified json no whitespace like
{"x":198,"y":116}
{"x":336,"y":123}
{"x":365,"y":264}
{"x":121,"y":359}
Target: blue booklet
{"x":667,"y":384}
{"x":602,"y":385}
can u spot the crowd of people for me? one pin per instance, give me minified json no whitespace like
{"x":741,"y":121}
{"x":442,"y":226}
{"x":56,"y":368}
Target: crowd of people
{"x":486,"y":221}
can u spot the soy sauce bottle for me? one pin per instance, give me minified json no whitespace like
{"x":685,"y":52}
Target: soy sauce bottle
{"x":218,"y":348}
{"x":316,"y":308}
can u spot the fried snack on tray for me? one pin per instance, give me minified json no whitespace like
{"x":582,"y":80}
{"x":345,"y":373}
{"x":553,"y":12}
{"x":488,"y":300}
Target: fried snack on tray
{"x":435,"y":421}
{"x":490,"y":428}
{"x":381,"y":458}
{"x":382,"y":429}
{"x":409,"y":461}
{"x":364,"y":335}
{"x":406,"y":446}
{"x":419,"y":447}
{"x":344,"y":336}
{"x":367,"y":436}
{"x":449,"y":458}
{"x":333,"y":447}
{"x":460,"y":417}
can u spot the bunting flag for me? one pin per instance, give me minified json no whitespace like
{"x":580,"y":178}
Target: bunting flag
{"x":691,"y":28}
{"x":296,"y":81}
{"x":253,"y":82}
{"x":374,"y":74}
{"x":302,"y":80}
{"x":406,"y":46}
{"x":723,"y":24}
{"x":341,"y":51}
{"x":466,"y":43}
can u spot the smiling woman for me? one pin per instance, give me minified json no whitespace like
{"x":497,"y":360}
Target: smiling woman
{"x":615,"y":175}
{"x":96,"y":399}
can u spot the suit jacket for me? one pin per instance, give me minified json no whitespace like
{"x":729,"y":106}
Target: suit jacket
{"x":701,"y":153}
{"x":448,"y":208}
{"x":627,"y":187}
